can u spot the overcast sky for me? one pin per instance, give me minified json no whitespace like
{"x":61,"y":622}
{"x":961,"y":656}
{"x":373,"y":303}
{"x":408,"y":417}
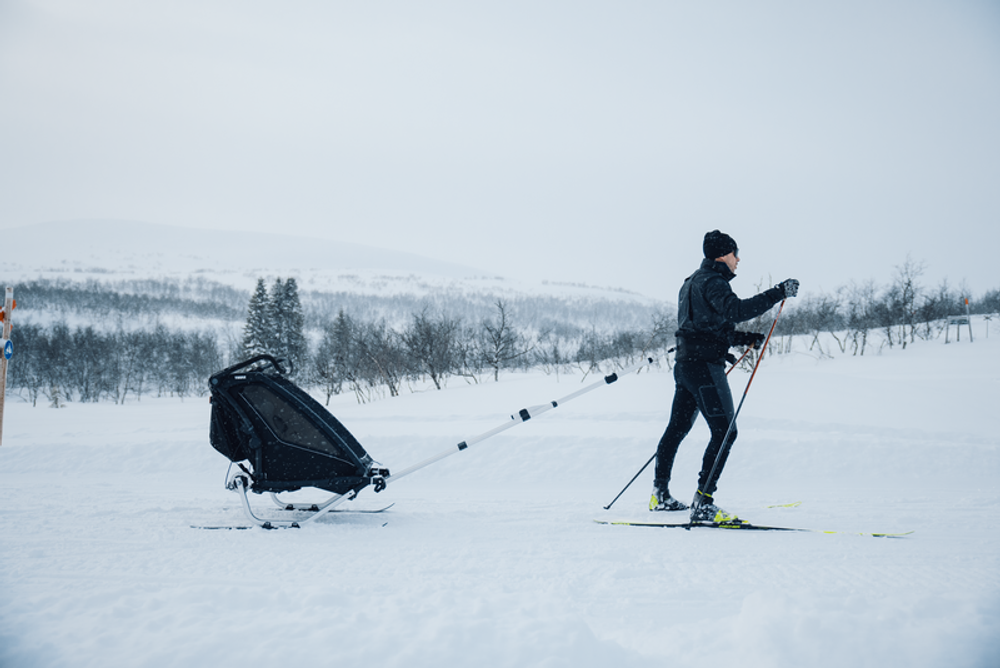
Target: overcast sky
{"x":574,"y":141}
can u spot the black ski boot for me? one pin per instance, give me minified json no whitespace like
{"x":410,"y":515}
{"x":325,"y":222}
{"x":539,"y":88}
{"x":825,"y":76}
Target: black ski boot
{"x":661,"y":500}
{"x":704,"y":511}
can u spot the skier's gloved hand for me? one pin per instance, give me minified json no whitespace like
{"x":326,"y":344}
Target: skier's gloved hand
{"x":731,"y":358}
{"x":789,"y":288}
{"x":747,"y":339}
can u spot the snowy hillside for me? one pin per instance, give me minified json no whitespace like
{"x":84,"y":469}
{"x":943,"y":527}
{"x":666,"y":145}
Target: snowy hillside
{"x":137,"y":274}
{"x":138,"y":249}
{"x":110,"y":250}
{"x":491,"y":558}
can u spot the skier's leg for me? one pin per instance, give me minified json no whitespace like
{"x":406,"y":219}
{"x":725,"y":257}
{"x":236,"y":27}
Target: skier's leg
{"x":683,"y":413}
{"x":715,"y":401}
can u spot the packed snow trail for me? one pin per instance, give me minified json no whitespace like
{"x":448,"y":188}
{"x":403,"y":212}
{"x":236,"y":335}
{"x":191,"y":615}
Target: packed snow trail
{"x":493,"y":558}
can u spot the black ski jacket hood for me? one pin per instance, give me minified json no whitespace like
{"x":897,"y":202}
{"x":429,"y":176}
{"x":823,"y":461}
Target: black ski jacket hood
{"x":708,"y":310}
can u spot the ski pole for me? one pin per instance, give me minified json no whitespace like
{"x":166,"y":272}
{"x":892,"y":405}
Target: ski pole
{"x":650,"y":461}
{"x":732,"y":423}
{"x":522,"y":415}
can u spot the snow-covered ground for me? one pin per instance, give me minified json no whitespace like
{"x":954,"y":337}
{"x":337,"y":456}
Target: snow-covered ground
{"x":491,"y":557}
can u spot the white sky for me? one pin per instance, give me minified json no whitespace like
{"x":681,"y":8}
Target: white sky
{"x":576,"y":141}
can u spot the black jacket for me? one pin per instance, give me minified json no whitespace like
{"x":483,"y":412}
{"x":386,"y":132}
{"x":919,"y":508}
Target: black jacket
{"x":708,"y":310}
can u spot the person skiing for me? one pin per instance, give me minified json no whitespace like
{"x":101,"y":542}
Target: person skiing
{"x":707,"y":312}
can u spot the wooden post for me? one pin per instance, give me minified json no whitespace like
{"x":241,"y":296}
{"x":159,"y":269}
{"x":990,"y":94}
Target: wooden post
{"x":5,"y":354}
{"x":968,"y":317}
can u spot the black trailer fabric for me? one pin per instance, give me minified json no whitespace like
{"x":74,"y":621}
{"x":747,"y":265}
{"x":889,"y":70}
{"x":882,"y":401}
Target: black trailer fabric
{"x":289,"y":439}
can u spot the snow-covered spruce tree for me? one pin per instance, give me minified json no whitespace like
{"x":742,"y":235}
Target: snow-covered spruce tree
{"x":288,"y":326}
{"x":336,"y":359}
{"x":257,"y":331}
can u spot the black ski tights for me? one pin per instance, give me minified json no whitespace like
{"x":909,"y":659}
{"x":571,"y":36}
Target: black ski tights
{"x":701,"y":387}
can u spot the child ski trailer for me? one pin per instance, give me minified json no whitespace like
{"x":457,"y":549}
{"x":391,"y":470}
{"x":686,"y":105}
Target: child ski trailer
{"x":279,"y":439}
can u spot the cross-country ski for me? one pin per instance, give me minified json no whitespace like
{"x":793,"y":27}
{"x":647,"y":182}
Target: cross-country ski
{"x":741,"y":526}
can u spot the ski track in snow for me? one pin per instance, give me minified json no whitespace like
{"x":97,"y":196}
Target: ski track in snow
{"x":490,"y":557}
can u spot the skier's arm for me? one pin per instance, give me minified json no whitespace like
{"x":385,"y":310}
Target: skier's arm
{"x":724,"y":300}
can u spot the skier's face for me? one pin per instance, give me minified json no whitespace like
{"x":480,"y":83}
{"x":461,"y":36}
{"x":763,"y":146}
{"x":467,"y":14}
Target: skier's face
{"x":732,"y":261}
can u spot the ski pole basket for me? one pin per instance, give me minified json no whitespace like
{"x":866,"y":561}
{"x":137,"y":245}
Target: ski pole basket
{"x":284,"y":440}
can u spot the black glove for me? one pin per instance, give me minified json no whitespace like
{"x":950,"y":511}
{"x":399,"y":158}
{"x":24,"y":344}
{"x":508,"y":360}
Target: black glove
{"x":789,"y":288}
{"x":751,"y":339}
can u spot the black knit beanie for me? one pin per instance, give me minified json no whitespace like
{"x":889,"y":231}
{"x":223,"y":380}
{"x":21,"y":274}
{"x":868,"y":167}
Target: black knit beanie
{"x":718,"y":244}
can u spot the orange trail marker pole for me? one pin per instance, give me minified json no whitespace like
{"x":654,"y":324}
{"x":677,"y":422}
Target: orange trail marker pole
{"x":7,"y":352}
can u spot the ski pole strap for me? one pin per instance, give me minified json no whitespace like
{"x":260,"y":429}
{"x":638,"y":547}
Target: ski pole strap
{"x":520,"y":417}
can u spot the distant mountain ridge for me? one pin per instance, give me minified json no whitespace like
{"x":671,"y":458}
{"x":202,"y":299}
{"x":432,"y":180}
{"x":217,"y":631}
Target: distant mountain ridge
{"x":105,"y":250}
{"x":129,"y":272}
{"x":109,"y":250}
{"x":139,"y":249}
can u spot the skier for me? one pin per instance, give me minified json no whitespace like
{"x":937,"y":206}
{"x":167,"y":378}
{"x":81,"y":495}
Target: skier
{"x":707,"y":311}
